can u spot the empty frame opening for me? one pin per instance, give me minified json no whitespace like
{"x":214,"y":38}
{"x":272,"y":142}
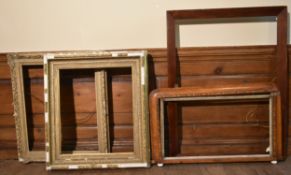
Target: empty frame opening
{"x":34,"y":102}
{"x":79,"y":112}
{"x":220,"y":127}
{"x":121,"y":111}
{"x":226,"y":32}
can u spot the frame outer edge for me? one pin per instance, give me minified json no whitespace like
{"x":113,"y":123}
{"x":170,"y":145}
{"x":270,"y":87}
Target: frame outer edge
{"x":46,"y":111}
{"x":11,"y":60}
{"x":146,"y":105}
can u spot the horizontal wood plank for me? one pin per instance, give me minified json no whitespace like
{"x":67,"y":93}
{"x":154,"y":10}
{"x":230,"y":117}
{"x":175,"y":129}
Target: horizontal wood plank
{"x":8,"y":153}
{"x":6,"y":99}
{"x":71,"y":133}
{"x":7,"y":120}
{"x":78,"y":119}
{"x":216,"y":81}
{"x":4,"y":71}
{"x":241,"y":131}
{"x":206,"y":150}
{"x":224,"y":113}
{"x":217,"y":67}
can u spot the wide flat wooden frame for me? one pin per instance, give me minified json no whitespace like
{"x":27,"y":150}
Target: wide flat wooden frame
{"x":260,"y":91}
{"x":280,"y":63}
{"x":137,"y":61}
{"x":16,"y":62}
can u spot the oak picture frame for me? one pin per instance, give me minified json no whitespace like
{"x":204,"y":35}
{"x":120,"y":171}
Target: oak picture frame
{"x":137,"y":61}
{"x":259,"y":91}
{"x":16,"y":62}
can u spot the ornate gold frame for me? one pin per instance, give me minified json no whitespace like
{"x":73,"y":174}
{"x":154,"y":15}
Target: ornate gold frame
{"x":16,"y":63}
{"x":137,"y":61}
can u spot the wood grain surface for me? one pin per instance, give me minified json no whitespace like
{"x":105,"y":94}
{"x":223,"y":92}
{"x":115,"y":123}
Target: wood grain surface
{"x":211,"y":66}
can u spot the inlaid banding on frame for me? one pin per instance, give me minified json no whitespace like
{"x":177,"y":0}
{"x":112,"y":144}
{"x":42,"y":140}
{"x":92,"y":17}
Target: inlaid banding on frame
{"x":73,"y":167}
{"x":46,"y":117}
{"x":142,"y":75}
{"x":133,"y":54}
{"x":45,"y":97}
{"x":45,"y":81}
{"x":47,"y":157}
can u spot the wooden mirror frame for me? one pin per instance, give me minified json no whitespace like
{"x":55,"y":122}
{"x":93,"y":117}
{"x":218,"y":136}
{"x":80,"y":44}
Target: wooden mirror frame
{"x":280,"y":62}
{"x":53,"y":63}
{"x":16,"y":63}
{"x":259,"y":91}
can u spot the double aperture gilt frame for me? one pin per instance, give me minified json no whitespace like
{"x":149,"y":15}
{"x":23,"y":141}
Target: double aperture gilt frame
{"x":137,"y":62}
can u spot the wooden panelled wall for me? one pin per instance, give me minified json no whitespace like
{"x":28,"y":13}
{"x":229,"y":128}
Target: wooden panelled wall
{"x":213,"y":66}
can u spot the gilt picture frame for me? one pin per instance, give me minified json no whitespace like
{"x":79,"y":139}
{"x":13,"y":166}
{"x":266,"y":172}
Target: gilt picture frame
{"x":16,"y":62}
{"x":137,"y":62}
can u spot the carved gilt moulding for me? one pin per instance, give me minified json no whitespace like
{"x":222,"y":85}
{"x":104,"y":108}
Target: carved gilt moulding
{"x":266,"y":92}
{"x":17,"y":63}
{"x":103,"y":158}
